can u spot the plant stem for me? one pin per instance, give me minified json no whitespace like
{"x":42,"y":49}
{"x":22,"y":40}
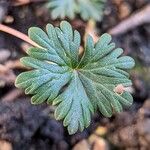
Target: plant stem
{"x":24,"y":2}
{"x":17,"y":34}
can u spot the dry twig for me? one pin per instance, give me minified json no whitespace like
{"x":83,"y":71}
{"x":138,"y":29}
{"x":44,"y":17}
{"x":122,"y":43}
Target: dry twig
{"x":139,"y":18}
{"x":17,"y":34}
{"x":7,"y":78}
{"x":12,"y":95}
{"x":7,"y":75}
{"x":24,"y":2}
{"x":9,"y":65}
{"x":14,"y":64}
{"x":90,"y":30}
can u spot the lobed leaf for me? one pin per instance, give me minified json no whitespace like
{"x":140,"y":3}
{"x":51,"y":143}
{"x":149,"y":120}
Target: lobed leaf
{"x":76,"y":86}
{"x":88,"y":9}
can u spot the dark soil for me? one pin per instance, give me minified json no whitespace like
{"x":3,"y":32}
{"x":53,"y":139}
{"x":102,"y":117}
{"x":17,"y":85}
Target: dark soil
{"x":29,"y":127}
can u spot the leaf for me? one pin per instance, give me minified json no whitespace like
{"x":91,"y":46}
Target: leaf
{"x":78,"y":87}
{"x":91,"y":9}
{"x":62,"y":8}
{"x":88,"y":9}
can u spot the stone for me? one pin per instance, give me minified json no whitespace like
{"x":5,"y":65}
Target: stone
{"x":98,"y":143}
{"x":82,"y":145}
{"x":4,"y":55}
{"x":101,"y":131}
{"x":4,"y":145}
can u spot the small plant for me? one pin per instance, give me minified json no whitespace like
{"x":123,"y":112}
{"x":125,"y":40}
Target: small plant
{"x":77,"y":85}
{"x":88,"y":9}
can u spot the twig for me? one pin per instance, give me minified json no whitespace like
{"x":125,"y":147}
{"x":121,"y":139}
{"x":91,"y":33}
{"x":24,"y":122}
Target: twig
{"x":17,"y":34}
{"x":12,"y":95}
{"x":139,"y":18}
{"x":12,"y":64}
{"x":90,"y":30}
{"x":21,"y":2}
{"x":24,"y":2}
{"x":3,"y":69}
{"x":7,"y":78}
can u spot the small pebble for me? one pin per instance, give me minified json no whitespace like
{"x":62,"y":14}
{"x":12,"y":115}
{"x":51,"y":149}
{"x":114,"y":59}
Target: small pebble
{"x":4,"y":55}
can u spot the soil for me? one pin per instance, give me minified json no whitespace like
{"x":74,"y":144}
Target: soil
{"x":28,"y":127}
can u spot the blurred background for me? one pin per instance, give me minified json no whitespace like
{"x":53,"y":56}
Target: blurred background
{"x":27,"y":127}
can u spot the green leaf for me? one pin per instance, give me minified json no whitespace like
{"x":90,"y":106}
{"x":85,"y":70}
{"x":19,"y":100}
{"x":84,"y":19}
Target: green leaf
{"x":88,"y":9}
{"x":91,"y":9}
{"x":62,"y":8}
{"x":78,"y":87}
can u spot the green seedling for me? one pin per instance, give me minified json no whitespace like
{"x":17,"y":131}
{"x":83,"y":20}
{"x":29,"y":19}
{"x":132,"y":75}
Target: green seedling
{"x":87,"y":9}
{"x":78,"y":85}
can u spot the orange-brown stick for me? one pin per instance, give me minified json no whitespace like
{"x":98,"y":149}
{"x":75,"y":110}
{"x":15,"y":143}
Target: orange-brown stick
{"x":17,"y":34}
{"x":24,"y":2}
